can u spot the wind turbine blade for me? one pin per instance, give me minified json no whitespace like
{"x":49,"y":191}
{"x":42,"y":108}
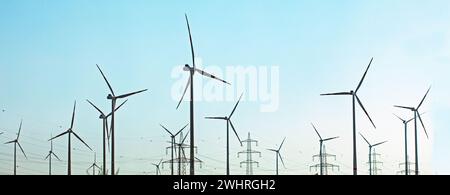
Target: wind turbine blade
{"x":160,"y":162}
{"x":73,"y":115}
{"x":330,"y":139}
{"x":184,"y":139}
{"x":56,"y":156}
{"x":421,"y":122}
{"x":234,"y":109}
{"x":364,"y":76}
{"x":10,"y":142}
{"x":216,"y":118}
{"x":166,"y":130}
{"x":316,"y":131}
{"x":424,"y":98}
{"x":97,"y":166}
{"x":130,"y":94}
{"x":272,"y":150}
{"x":58,"y":135}
{"x":20,"y":129}
{"x":234,"y":130}
{"x":339,"y":93}
{"x":47,"y":156}
{"x":399,"y":118}
{"x":92,"y":104}
{"x":181,"y":130}
{"x":404,"y":107}
{"x":364,"y":138}
{"x":281,"y":158}
{"x":185,"y":90}
{"x":108,"y":134}
{"x":413,"y":117}
{"x":281,"y":144}
{"x":115,"y":110}
{"x":211,"y":76}
{"x":190,"y":41}
{"x":365,"y":111}
{"x":104,"y":77}
{"x":21,"y":149}
{"x":379,"y":143}
{"x":78,"y":137}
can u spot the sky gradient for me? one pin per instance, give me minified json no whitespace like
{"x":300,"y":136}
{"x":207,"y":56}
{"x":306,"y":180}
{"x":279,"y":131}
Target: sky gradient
{"x":49,"y":48}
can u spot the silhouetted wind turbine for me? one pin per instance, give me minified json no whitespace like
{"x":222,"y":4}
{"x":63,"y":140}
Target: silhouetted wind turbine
{"x":16,"y":142}
{"x":277,"y":154}
{"x":370,"y":152}
{"x":113,"y":99}
{"x":321,"y":146}
{"x":49,"y":157}
{"x":105,"y":130}
{"x":172,"y":138}
{"x":93,"y":166}
{"x":70,"y":132}
{"x":181,"y":150}
{"x":416,"y":114}
{"x":355,"y":97}
{"x":158,"y":171}
{"x":405,"y":123}
{"x":190,"y":82}
{"x":228,"y":120}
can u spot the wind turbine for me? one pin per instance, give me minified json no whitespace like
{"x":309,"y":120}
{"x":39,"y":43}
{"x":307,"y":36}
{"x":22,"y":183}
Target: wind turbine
{"x":16,"y":142}
{"x":158,"y":171}
{"x":113,"y":99}
{"x":69,"y":132}
{"x":416,"y":114}
{"x":370,"y":151}
{"x":190,"y":82}
{"x":405,"y":123}
{"x":172,"y":138}
{"x":105,"y":130}
{"x":321,"y":146}
{"x":93,"y":166}
{"x":228,"y":120}
{"x":277,"y":154}
{"x":355,"y":98}
{"x":49,"y":157}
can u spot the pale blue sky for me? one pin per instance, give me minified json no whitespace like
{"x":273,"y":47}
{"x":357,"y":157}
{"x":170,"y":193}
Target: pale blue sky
{"x":48,"y":52}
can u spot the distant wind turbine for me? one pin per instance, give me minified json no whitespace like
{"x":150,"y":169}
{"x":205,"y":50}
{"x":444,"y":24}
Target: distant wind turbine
{"x":69,"y":148}
{"x":355,"y":98}
{"x":49,"y":157}
{"x":93,"y":166}
{"x":17,"y":143}
{"x":113,"y":99}
{"x":158,"y":171}
{"x":277,"y":154}
{"x":106,"y":133}
{"x":321,"y":146}
{"x":405,"y":123}
{"x":370,"y":151}
{"x":417,"y":115}
{"x":228,"y":120}
{"x":172,"y":138}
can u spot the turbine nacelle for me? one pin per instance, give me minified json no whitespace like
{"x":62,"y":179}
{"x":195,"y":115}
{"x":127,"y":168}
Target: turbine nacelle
{"x":110,"y":97}
{"x":187,"y":67}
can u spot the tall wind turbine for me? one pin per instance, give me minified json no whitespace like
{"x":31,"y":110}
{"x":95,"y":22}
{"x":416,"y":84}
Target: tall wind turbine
{"x":105,"y":130}
{"x":321,"y":146}
{"x":228,"y":120}
{"x":113,"y":99}
{"x":417,"y":115}
{"x":355,"y":98}
{"x":405,"y":123}
{"x":370,"y":151}
{"x":93,"y":166}
{"x":49,"y":157}
{"x":190,"y":83}
{"x":17,"y":143}
{"x":69,"y":132}
{"x":277,"y":154}
{"x":158,"y":171}
{"x":172,"y":139}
